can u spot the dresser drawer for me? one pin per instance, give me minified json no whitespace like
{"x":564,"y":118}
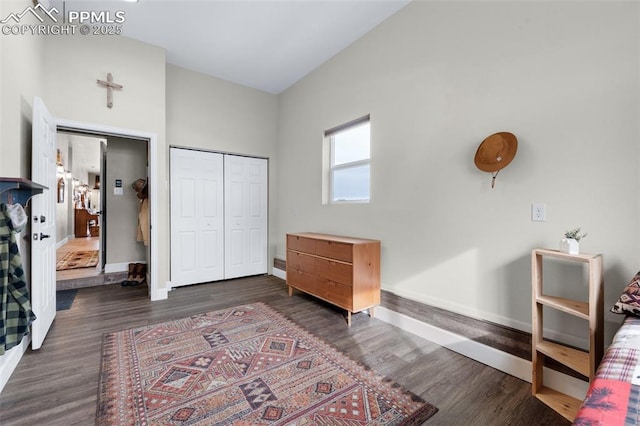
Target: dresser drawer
{"x":334,"y":292}
{"x":301,"y":261}
{"x":334,"y":271}
{"x":301,"y":280}
{"x":295,"y":242}
{"x":334,"y":250}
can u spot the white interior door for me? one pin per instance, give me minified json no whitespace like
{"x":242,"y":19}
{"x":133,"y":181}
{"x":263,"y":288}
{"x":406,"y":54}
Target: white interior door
{"x":197,"y":217}
{"x":43,"y":223}
{"x":245,"y":181}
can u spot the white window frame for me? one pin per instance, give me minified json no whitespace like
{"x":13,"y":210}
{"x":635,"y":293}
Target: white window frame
{"x":331,"y":133}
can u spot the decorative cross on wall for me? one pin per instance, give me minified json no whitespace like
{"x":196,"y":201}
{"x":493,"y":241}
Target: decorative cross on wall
{"x":110,"y":85}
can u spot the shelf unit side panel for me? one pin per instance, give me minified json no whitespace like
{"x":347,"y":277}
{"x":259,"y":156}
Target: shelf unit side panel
{"x":596,"y":317}
{"x":537,"y":360}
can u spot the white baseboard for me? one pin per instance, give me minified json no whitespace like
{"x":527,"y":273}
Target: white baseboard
{"x":119,"y":267}
{"x":487,"y":355}
{"x":9,"y":361}
{"x":160,"y":293}
{"x":61,"y":243}
{"x":280,"y":273}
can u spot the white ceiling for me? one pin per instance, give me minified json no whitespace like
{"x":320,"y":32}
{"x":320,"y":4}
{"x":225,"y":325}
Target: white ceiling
{"x":264,"y":44}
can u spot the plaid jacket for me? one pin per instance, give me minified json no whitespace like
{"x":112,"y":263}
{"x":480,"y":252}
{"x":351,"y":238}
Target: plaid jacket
{"x":15,"y":305}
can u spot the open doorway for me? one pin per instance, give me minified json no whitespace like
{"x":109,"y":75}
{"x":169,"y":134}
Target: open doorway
{"x":97,"y":178}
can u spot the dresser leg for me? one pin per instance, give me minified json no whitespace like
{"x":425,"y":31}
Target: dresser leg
{"x":349,"y":318}
{"x":371,"y":312}
{"x":290,"y":291}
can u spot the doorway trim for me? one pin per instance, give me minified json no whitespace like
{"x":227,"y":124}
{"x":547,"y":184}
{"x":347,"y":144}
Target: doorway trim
{"x":155,"y":293}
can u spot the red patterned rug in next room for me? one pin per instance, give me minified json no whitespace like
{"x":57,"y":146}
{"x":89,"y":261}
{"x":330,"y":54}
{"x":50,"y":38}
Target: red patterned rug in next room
{"x":78,"y":259}
{"x":242,"y":365}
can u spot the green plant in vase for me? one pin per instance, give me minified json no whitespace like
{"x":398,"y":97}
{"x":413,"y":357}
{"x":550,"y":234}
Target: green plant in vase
{"x":570,"y":244}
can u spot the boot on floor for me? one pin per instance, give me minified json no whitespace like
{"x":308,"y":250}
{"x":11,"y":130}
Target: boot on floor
{"x":130,"y":277}
{"x":140,"y":273}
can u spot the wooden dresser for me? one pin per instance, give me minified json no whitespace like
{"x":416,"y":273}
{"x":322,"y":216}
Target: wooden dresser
{"x":343,"y":271}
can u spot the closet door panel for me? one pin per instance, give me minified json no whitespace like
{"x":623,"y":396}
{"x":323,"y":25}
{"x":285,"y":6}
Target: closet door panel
{"x":186,"y":198}
{"x":257,"y":216}
{"x":234,"y":216}
{"x":183,"y":224}
{"x":209,"y":245}
{"x":235,"y":252}
{"x":212,"y":238}
{"x":187,"y":254}
{"x":245,"y":216}
{"x":197,"y":217}
{"x":255,"y":247}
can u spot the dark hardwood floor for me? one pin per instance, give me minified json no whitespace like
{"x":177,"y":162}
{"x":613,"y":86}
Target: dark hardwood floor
{"x":58,"y":384}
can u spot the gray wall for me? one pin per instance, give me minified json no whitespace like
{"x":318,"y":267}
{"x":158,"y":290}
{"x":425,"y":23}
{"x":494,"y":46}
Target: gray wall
{"x":72,"y":65}
{"x":212,"y":114}
{"x":439,"y":77}
{"x":126,"y":160}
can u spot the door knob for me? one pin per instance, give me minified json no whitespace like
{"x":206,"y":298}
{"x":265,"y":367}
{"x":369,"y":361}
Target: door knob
{"x":43,"y":236}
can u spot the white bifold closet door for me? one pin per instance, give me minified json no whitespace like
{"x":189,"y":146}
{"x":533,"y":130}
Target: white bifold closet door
{"x":218,"y":216}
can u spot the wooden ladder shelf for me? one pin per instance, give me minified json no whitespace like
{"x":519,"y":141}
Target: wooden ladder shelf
{"x":582,"y":362}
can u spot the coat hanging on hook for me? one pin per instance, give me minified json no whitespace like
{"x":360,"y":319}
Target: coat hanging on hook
{"x":495,"y":153}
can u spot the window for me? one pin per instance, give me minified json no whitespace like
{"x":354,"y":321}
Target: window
{"x":350,"y":165}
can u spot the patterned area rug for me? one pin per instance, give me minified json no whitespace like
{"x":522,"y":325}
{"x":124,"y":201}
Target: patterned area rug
{"x":78,"y":259}
{"x":242,"y":365}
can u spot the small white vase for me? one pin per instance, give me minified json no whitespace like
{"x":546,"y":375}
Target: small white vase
{"x":569,"y":246}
